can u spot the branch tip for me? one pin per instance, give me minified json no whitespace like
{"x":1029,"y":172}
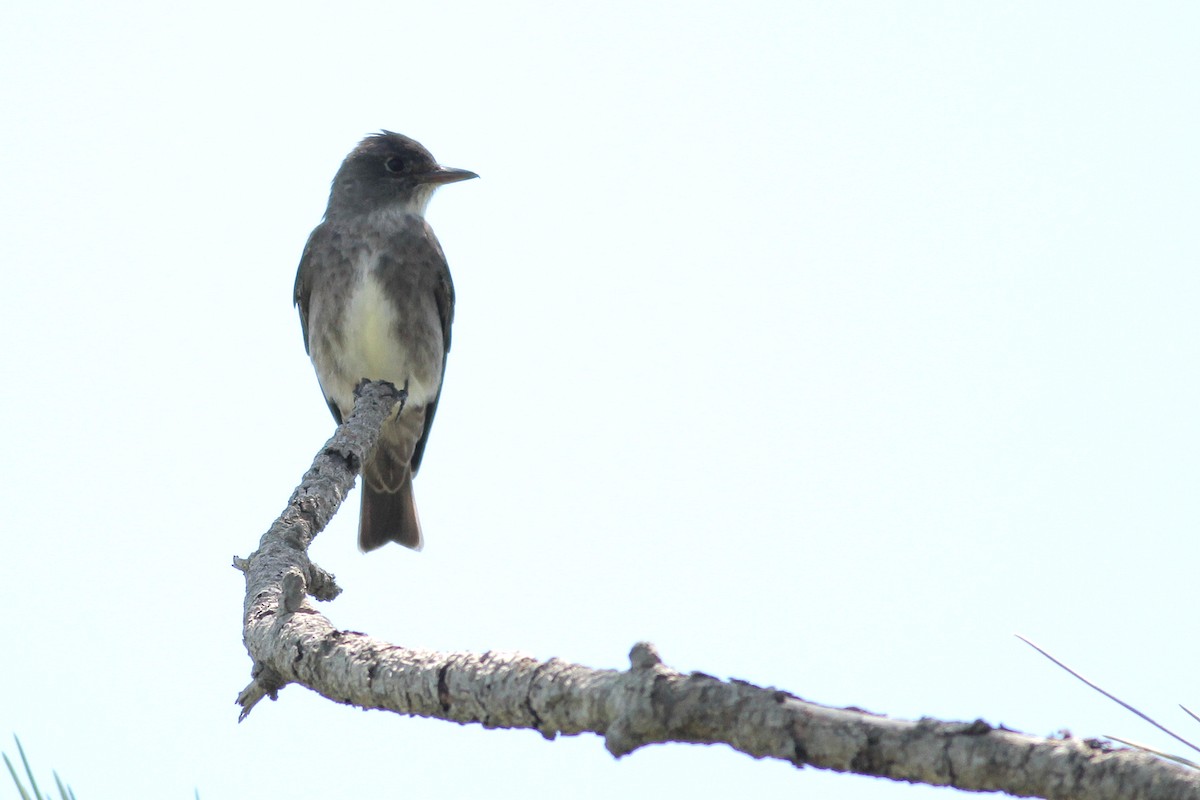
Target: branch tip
{"x":321,"y":584}
{"x":644,"y":655}
{"x":292,"y":596}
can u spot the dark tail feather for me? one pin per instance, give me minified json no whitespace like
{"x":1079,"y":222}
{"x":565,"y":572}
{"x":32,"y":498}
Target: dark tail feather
{"x":388,"y":517}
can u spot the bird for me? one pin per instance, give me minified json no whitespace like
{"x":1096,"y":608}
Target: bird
{"x":376,"y":302}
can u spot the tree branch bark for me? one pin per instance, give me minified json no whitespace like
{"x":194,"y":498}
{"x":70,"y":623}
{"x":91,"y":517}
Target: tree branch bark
{"x":291,"y":642}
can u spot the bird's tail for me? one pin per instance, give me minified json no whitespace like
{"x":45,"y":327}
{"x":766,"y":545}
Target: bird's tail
{"x":389,"y":513}
{"x":388,"y":517}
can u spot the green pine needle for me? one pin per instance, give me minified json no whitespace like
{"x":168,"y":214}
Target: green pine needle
{"x":33,"y":792}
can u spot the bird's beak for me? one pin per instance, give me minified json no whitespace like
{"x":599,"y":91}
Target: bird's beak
{"x":447,"y":175}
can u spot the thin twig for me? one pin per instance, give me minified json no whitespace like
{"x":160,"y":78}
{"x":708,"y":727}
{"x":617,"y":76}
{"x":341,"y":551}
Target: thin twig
{"x":1155,"y":751}
{"x":1110,"y":696}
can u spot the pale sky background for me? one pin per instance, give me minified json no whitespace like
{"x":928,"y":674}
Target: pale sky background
{"x":825,"y":345}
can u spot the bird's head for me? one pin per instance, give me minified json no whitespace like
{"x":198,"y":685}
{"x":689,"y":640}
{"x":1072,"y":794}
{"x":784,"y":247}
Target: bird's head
{"x":389,"y":172}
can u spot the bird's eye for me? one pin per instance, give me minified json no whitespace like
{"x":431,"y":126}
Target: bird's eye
{"x":394,"y":164}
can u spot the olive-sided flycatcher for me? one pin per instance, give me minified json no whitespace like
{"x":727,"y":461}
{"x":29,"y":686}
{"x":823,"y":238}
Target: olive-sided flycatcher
{"x":376,"y":302}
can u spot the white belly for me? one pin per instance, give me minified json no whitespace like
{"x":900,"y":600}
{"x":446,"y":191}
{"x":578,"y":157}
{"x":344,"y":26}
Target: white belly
{"x":370,"y":348}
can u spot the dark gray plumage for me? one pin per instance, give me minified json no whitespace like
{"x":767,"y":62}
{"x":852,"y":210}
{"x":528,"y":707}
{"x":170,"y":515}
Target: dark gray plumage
{"x":376,"y":302}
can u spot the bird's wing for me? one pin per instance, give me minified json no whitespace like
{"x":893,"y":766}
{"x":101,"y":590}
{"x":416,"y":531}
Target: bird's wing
{"x":443,"y":295}
{"x":302,"y":291}
{"x":304,"y":280}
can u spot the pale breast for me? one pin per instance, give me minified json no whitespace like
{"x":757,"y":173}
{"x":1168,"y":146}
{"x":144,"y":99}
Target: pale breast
{"x":379,"y":338}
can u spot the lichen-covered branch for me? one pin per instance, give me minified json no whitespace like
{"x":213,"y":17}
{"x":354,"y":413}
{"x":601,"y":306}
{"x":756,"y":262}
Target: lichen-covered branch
{"x":649,"y":703}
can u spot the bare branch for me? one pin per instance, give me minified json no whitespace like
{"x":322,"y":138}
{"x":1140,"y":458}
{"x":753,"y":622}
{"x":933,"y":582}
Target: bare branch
{"x":290,"y":642}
